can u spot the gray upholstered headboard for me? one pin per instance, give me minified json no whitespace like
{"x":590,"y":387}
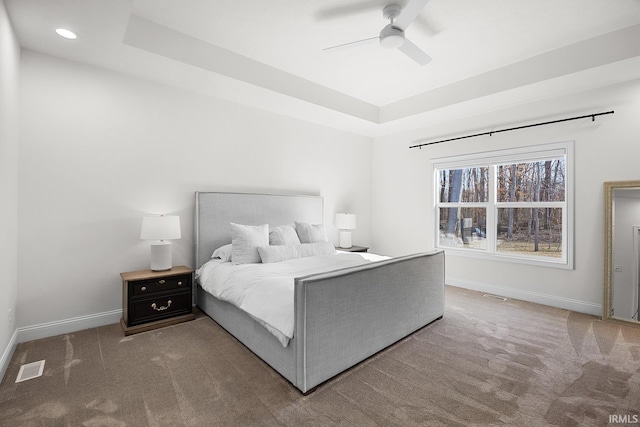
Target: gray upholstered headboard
{"x":214,"y":212}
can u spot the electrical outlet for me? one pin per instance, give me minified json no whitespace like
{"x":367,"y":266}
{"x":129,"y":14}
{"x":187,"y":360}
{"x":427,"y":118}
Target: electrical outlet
{"x":10,"y":317}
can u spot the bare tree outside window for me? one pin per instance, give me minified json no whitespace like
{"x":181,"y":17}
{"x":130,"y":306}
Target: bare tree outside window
{"x":521,"y":229}
{"x":463,"y":221}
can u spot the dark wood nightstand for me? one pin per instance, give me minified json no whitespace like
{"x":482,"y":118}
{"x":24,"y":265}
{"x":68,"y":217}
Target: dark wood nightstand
{"x":353,"y":249}
{"x":153,"y":299}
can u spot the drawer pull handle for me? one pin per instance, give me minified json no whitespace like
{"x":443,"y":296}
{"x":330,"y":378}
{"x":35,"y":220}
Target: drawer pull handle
{"x":144,"y":288}
{"x":161,"y":308}
{"x":161,"y":282}
{"x":179,"y":283}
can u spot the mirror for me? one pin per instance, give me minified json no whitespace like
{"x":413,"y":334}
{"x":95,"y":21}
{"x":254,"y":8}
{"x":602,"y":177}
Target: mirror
{"x":622,"y":252}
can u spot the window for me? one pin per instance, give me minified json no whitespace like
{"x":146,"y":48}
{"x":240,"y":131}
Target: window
{"x":514,"y":205}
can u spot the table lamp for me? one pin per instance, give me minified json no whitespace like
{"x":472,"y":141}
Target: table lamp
{"x":160,"y":229}
{"x":345,"y":222}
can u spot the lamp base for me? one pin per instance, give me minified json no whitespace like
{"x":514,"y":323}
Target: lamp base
{"x":161,"y":256}
{"x":345,"y":239}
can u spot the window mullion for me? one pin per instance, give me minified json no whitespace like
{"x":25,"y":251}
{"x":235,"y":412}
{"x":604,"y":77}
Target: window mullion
{"x":540,"y":205}
{"x":492,"y":210}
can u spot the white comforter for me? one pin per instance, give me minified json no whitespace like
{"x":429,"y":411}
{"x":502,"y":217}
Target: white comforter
{"x":265,"y":291}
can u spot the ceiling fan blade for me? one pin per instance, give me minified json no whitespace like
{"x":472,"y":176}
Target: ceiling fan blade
{"x":353,"y":44}
{"x":346,"y":10}
{"x":414,"y":52}
{"x":409,"y":13}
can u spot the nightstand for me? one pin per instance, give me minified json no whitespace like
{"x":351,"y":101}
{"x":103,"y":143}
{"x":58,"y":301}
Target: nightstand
{"x":153,"y":299}
{"x":353,"y":249}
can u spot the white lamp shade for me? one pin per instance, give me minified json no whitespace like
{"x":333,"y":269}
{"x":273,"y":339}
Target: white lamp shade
{"x":345,"y":221}
{"x":163,"y":227}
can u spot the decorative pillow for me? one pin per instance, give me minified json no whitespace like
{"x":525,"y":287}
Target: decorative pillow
{"x":223,"y":252}
{"x":270,"y":254}
{"x":311,"y":233}
{"x":283,"y":235}
{"x":245,"y":240}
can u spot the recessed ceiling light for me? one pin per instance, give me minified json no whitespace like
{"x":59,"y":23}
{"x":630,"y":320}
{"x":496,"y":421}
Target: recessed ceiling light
{"x":67,"y":34}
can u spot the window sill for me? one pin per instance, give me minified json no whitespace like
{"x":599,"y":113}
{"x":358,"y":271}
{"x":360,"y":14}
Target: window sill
{"x":481,"y":254}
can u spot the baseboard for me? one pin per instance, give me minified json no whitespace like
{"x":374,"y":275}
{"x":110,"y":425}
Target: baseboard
{"x":66,"y":326}
{"x":8,"y":354}
{"x":538,"y":298}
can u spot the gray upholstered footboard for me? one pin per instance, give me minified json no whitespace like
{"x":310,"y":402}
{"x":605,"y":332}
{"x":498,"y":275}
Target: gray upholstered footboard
{"x":344,"y":316}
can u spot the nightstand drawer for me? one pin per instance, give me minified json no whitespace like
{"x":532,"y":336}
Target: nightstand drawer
{"x":159,"y":307}
{"x":143,"y":287}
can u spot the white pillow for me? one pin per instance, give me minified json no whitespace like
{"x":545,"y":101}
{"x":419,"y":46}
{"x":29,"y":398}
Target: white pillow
{"x":311,"y":233}
{"x":223,"y":252}
{"x":245,"y":240}
{"x":270,"y":254}
{"x":283,"y":235}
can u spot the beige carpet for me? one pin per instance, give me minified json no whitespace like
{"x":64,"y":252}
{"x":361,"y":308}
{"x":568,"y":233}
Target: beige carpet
{"x":488,"y":362}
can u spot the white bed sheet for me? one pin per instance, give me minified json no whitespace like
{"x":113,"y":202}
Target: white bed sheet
{"x":266,"y":291}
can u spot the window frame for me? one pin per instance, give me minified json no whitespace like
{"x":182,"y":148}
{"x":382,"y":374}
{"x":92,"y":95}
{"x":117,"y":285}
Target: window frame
{"x":491,"y":159}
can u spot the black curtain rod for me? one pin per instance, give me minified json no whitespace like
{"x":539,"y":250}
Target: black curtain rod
{"x":593,"y":117}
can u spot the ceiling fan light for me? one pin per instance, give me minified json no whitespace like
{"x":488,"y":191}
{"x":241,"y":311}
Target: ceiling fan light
{"x":392,"y":41}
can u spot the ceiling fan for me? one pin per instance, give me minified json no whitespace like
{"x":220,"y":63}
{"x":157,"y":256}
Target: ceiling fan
{"x":392,"y":35}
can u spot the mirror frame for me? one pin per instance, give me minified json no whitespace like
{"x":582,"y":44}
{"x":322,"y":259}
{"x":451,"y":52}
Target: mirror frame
{"x":609,"y":190}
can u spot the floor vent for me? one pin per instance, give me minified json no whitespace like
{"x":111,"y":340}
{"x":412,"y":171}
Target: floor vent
{"x":495,"y":297}
{"x":30,"y":371}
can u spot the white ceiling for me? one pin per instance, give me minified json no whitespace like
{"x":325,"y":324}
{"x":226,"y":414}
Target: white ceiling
{"x":488,"y":54}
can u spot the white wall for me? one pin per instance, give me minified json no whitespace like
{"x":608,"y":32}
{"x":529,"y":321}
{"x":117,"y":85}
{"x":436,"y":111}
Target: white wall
{"x":606,"y":150}
{"x":99,"y":150}
{"x":9,"y":78}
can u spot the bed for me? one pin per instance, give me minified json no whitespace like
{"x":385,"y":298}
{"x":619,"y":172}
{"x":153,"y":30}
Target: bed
{"x":340,"y":317}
